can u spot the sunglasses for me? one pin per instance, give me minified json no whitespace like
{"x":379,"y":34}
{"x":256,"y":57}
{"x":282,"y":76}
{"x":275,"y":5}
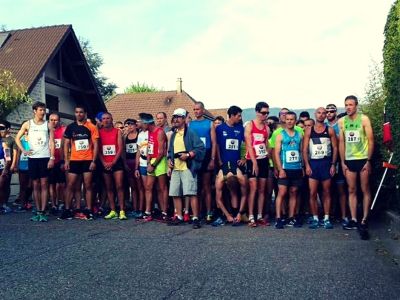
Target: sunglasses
{"x":331,"y":111}
{"x":121,"y":127}
{"x":178,"y":116}
{"x":130,"y":123}
{"x":2,"y":127}
{"x":264,"y":113}
{"x":282,"y":114}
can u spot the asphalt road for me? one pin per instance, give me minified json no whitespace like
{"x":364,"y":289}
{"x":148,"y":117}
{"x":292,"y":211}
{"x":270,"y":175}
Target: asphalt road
{"x":116,"y":259}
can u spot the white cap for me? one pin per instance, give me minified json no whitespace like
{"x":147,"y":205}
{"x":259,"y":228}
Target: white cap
{"x":179,"y":112}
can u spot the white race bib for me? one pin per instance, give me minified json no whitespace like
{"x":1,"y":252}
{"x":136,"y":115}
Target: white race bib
{"x":292,"y":156}
{"x":39,"y":140}
{"x":203,"y":139}
{"x":131,"y":148}
{"x":57,"y":143}
{"x":23,"y":157}
{"x":2,"y":164}
{"x":232,"y":144}
{"x":353,"y":137}
{"x":319,"y":151}
{"x":151,"y":149}
{"x":260,"y":150}
{"x":109,"y":150}
{"x":81,"y":145}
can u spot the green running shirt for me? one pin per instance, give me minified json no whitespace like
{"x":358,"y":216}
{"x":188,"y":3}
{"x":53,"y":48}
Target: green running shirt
{"x":356,"y":142}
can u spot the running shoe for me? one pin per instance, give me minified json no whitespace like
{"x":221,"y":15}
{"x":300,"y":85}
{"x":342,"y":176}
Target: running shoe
{"x":310,"y":219}
{"x":321,"y":222}
{"x":100,"y":212}
{"x":196,"y":224}
{"x":218,"y":222}
{"x":245,"y":218}
{"x":327,"y":224}
{"x":146,"y":217}
{"x":42,"y":217}
{"x":363,"y":230}
{"x":209,"y":219}
{"x":7,"y":209}
{"x":160,"y":218}
{"x":17,"y":202}
{"x":186,"y":218}
{"x":54,"y":211}
{"x":112,"y":215}
{"x":284,"y":220}
{"x":262,"y":222}
{"x":122,"y":215}
{"x":314,"y":224}
{"x":36,"y":217}
{"x":290,"y":222}
{"x":252,"y":223}
{"x":345,"y":222}
{"x":21,"y":209}
{"x":351,"y":226}
{"x":139,"y":214}
{"x":34,"y":209}
{"x":66,"y":215}
{"x":266,"y":218}
{"x":80,"y":215}
{"x":278,"y":223}
{"x":61,"y":206}
{"x":28,"y":206}
{"x":88,"y":214}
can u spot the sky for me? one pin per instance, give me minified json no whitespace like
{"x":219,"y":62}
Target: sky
{"x":297,"y":54}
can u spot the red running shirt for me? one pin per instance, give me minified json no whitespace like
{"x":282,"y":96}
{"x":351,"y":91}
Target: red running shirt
{"x":108,"y":144}
{"x":259,"y":139}
{"x":152,"y":150}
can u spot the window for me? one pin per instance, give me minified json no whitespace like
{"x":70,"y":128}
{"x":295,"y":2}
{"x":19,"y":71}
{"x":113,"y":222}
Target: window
{"x":52,"y":102}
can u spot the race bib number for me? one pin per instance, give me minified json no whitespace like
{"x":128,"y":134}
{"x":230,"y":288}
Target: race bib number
{"x":57,"y":143}
{"x":2,"y":164}
{"x":109,"y":150}
{"x":131,"y":148}
{"x":40,"y":140}
{"x":81,"y":145}
{"x":353,"y":136}
{"x":23,"y":157}
{"x":232,"y":144}
{"x":260,"y":150}
{"x":203,"y":139}
{"x":319,"y":151}
{"x":292,"y":156}
{"x":151,"y":149}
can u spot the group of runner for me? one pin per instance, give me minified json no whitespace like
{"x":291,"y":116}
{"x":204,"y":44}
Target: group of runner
{"x":169,"y":172}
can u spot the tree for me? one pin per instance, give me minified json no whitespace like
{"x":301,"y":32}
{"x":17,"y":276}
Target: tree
{"x":141,"y":88}
{"x":95,"y":61}
{"x":12,"y":93}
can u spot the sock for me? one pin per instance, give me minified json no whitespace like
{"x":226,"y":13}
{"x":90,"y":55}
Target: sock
{"x":195,"y":218}
{"x":315,"y":217}
{"x":326,"y":217}
{"x":164,"y":213}
{"x":259,"y":216}
{"x":186,"y":211}
{"x":251,"y":217}
{"x":180,"y":217}
{"x":355,"y":220}
{"x":148,"y":213}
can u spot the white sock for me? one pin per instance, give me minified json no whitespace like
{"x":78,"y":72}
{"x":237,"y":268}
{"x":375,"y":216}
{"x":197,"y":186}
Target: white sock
{"x":326,"y":217}
{"x":259,"y":216}
{"x":315,"y":217}
{"x":180,"y":217}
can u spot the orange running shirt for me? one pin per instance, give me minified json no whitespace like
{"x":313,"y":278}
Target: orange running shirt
{"x":82,"y":137}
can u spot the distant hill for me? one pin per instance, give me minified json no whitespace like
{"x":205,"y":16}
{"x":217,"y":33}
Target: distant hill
{"x":249,"y":113}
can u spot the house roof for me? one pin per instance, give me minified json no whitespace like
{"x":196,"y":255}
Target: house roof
{"x":124,"y":106}
{"x":223,"y":112}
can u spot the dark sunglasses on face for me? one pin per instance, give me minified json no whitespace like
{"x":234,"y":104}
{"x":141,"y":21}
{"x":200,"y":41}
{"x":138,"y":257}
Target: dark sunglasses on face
{"x":282,"y":114}
{"x":331,"y":111}
{"x":121,"y":127}
{"x":2,"y":128}
{"x":130,"y":123}
{"x":264,"y":113}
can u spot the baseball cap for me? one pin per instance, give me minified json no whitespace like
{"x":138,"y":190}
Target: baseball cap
{"x":180,"y":112}
{"x":99,"y":116}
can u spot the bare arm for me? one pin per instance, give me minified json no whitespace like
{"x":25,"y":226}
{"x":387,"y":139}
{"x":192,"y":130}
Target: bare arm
{"x":249,"y":146}
{"x":306,"y":144}
{"x":334,"y":143}
{"x":277,"y":152}
{"x":121,"y":150}
{"x":370,"y":135}
{"x":341,"y":140}
{"x":19,"y":135}
{"x":213,"y":146}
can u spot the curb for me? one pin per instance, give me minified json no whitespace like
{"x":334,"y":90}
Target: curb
{"x":392,"y":220}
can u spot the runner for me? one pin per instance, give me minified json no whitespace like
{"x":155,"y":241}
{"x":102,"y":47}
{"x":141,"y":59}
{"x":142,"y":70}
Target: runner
{"x":83,"y":138}
{"x":206,"y":131}
{"x":256,"y":137}
{"x":320,"y":157}
{"x":356,"y":145}
{"x":111,"y":147}
{"x":57,"y":178}
{"x":40,"y":156}
{"x":230,"y":136}
{"x":218,"y":121}
{"x":5,"y":163}
{"x":185,"y":159}
{"x":162,"y":121}
{"x":288,"y":163}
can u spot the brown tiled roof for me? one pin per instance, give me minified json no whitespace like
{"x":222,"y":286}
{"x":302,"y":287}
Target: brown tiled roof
{"x":26,"y":51}
{"x":219,"y":112}
{"x":124,"y":106}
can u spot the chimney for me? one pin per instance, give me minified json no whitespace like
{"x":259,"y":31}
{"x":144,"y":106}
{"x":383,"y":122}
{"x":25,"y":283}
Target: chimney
{"x":179,"y":86}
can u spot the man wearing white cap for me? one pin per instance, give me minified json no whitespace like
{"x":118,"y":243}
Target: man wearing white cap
{"x":185,"y":155}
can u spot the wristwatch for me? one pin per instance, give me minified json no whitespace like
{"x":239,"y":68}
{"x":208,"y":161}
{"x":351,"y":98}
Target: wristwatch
{"x":52,"y":158}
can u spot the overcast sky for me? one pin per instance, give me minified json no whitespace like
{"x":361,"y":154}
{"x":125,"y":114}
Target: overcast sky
{"x":298,"y":54}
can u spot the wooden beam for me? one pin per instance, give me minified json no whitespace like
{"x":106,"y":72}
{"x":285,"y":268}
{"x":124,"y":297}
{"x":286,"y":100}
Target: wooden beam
{"x":67,"y":85}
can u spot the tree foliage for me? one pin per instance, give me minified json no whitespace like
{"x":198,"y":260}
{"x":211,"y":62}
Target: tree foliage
{"x":12,"y":93}
{"x":95,"y":61}
{"x":141,"y":88}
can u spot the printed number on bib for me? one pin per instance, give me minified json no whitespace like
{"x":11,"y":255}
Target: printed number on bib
{"x":261,"y":150}
{"x":319,"y":151}
{"x":151,"y":149}
{"x":109,"y":150}
{"x":203,"y":139}
{"x":232,"y":144}
{"x":353,"y":136}
{"x":39,"y":140}
{"x":2,"y":164}
{"x":81,"y":145}
{"x":57,"y":143}
{"x":131,"y":148}
{"x":292,"y":156}
{"x":23,"y":157}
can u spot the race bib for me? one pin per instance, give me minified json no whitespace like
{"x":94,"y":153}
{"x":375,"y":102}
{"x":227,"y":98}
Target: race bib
{"x":131,"y":148}
{"x":151,"y":149}
{"x":353,"y":136}
{"x":57,"y":143}
{"x":203,"y":139}
{"x":109,"y":150}
{"x":232,"y":144}
{"x":23,"y":157}
{"x":319,"y":151}
{"x":260,"y":150}
{"x":292,"y":156}
{"x":81,"y":145}
{"x":2,"y":164}
{"x":39,"y":140}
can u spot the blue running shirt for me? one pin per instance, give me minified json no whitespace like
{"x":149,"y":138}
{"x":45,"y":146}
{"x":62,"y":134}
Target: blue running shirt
{"x":229,"y":141}
{"x":203,"y":130}
{"x":290,"y":151}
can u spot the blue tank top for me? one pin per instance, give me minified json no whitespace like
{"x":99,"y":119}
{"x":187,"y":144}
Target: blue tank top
{"x":334,"y":126}
{"x":2,"y":156}
{"x":290,"y":151}
{"x":202,"y":129}
{"x":229,"y":141}
{"x":23,"y":160}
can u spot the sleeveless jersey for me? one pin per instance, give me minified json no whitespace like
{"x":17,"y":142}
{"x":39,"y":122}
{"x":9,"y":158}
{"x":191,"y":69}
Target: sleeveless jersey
{"x":142,"y":142}
{"x":334,"y":126}
{"x":58,"y":134}
{"x":109,"y":144}
{"x":23,"y":159}
{"x":320,"y":147}
{"x":259,"y":139}
{"x":39,"y":139}
{"x":2,"y":156}
{"x":290,"y":151}
{"x":131,"y":147}
{"x":202,"y":129}
{"x":356,"y":143}
{"x":153,"y":143}
{"x":229,"y":141}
